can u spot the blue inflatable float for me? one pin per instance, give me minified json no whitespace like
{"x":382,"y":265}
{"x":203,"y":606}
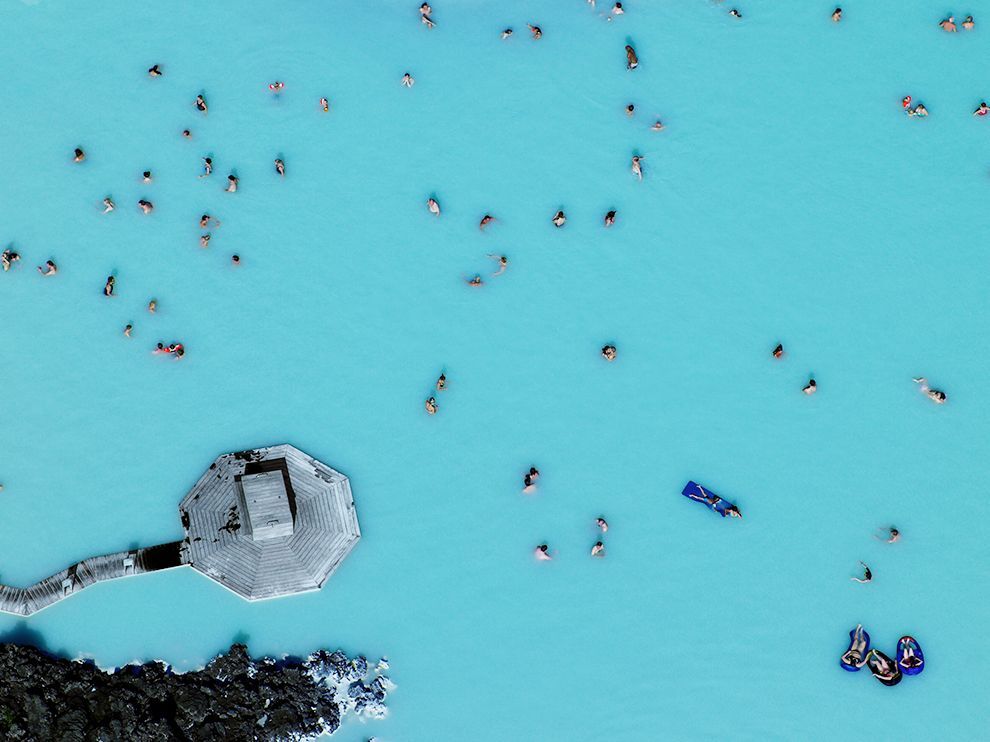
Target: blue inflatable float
{"x":859,"y":645}
{"x":910,"y":658}
{"x":709,"y":499}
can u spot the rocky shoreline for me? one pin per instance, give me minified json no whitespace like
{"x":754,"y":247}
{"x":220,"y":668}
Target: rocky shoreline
{"x":234,"y":697}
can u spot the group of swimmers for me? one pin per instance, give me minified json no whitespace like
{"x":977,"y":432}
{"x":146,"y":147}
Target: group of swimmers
{"x":935,"y":395}
{"x":542,"y":552}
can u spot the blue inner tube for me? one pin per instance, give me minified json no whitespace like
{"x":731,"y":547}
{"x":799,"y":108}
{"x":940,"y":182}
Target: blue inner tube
{"x":910,"y":658}
{"x":855,"y":658}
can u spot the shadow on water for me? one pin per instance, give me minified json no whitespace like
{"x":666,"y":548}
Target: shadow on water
{"x":24,"y":635}
{"x":242,"y":637}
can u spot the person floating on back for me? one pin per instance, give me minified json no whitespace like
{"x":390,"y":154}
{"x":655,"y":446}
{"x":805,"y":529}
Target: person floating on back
{"x":935,"y":395}
{"x":867,"y":575}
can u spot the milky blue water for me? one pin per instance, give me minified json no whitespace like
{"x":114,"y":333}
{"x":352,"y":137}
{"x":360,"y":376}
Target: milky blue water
{"x":788,"y":200}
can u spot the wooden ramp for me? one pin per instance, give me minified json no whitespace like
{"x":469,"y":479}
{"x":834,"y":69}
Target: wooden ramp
{"x":23,"y":601}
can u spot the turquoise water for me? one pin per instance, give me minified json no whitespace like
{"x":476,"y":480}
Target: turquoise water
{"x":789,"y":200}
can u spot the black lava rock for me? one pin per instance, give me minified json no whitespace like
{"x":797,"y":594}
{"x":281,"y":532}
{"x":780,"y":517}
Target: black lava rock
{"x":43,"y":697}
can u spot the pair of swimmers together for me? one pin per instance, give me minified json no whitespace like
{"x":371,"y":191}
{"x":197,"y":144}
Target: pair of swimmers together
{"x":175,"y":349}
{"x":431,"y":404}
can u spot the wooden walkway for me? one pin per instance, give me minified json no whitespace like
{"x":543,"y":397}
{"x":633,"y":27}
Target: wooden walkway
{"x":24,"y":601}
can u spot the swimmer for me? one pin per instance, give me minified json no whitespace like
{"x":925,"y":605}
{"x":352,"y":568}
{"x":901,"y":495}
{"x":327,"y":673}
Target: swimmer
{"x":201,"y":104}
{"x":433,"y":206}
{"x":146,"y":176}
{"x":778,"y":352}
{"x":155,"y":71}
{"x":276,"y":87}
{"x":618,"y":10}
{"x":78,"y":155}
{"x":231,"y":183}
{"x":207,"y":167}
{"x":205,"y":220}
{"x":559,"y":219}
{"x":949,"y":24}
{"x":127,"y":330}
{"x":602,"y":524}
{"x":906,"y":102}
{"x":632,"y":61}
{"x":485,"y":221}
{"x":503,"y":263}
{"x":811,"y":387}
{"x":867,"y":575}
{"x":609,"y":353}
{"x":506,"y":33}
{"x":407,"y":80}
{"x":890,"y":535}
{"x":146,"y":206}
{"x":529,"y":480}
{"x":108,"y":205}
{"x":50,"y":268}
{"x":109,"y":286}
{"x":936,"y":396}
{"x":474,"y":282}
{"x":204,"y":240}
{"x":441,"y":382}
{"x":982,"y":110}
{"x":279,"y":166}
{"x":637,"y":167}
{"x":919,"y":110}
{"x":431,"y":406}
{"x":735,"y":13}
{"x":325,"y":105}
{"x":610,"y":218}
{"x":235,"y":259}
{"x":152,"y":306}
{"x":542,"y":552}
{"x":969,"y":24}
{"x":658,"y":126}
{"x":598,"y":550}
{"x":837,"y":15}
{"x":535,"y":31}
{"x":186,"y":134}
{"x":8,"y":258}
{"x":630,"y":109}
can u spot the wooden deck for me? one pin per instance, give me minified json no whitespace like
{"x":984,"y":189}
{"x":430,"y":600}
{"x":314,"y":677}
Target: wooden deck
{"x":262,"y":523}
{"x":24,"y":601}
{"x":316,"y":524}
